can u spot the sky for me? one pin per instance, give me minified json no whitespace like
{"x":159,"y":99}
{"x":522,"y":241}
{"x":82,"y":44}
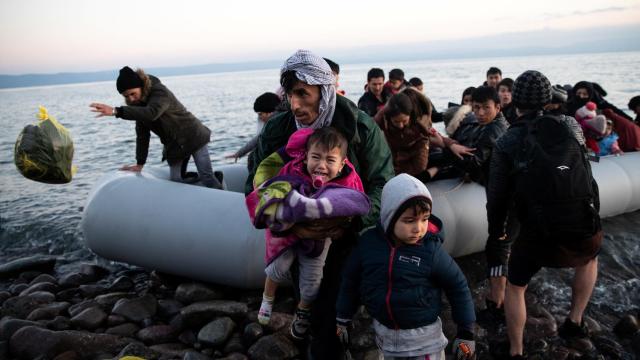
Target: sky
{"x":45,"y":36}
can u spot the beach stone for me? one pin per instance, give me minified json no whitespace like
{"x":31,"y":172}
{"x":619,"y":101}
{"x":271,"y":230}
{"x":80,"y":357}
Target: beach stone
{"x":169,"y":350}
{"x":581,"y":344}
{"x":635,"y":344}
{"x":73,"y":279}
{"x":76,"y":309}
{"x":42,"y":263}
{"x":593,"y":326}
{"x":252,"y":332}
{"x":48,"y":311}
{"x":122,"y":283}
{"x":279,"y":321}
{"x":93,"y":271}
{"x":27,"y":276}
{"x":273,"y":347}
{"x":4,"y":295}
{"x":22,"y":306}
{"x":92,"y":290}
{"x":139,"y":350}
{"x":59,"y":323}
{"x":126,"y":329}
{"x":157,"y":334}
{"x":9,"y":325}
{"x":68,"y":294}
{"x":44,"y":278}
{"x":68,"y":355}
{"x":609,"y":347}
{"x":540,"y":327}
{"x":90,"y":318}
{"x":16,"y":289}
{"x":114,"y":320}
{"x":558,"y":353}
{"x":167,"y":308}
{"x":234,"y":356}
{"x":188,"y":293}
{"x":627,"y":326}
{"x":107,"y":301}
{"x":194,"y":355}
{"x":234,"y":344}
{"x":188,"y":337}
{"x":4,"y":350}
{"x":216,"y":332}
{"x":136,"y":309}
{"x":43,"y":286}
{"x":31,"y":342}
{"x":201,"y":312}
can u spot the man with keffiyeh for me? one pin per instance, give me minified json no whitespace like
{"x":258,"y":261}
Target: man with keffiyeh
{"x":310,"y":88}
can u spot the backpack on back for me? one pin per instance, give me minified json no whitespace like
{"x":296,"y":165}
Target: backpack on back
{"x":555,"y":191}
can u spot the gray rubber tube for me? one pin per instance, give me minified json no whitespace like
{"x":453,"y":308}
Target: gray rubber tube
{"x":146,"y":220}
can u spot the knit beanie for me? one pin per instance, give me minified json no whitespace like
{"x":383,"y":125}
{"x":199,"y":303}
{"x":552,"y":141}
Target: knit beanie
{"x":558,"y":95}
{"x":396,"y":192}
{"x":588,"y":111}
{"x":128,"y":79}
{"x":266,"y":103}
{"x":531,"y":90}
{"x":597,"y":125}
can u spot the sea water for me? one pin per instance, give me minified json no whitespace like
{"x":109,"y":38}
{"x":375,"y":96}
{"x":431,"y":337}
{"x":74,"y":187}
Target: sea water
{"x":43,"y":216}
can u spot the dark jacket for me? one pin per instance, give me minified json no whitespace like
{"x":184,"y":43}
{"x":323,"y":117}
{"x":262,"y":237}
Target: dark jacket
{"x":409,"y":146}
{"x":368,"y":151}
{"x":370,"y":104}
{"x":402,"y":286}
{"x":159,"y":111}
{"x":509,"y":113}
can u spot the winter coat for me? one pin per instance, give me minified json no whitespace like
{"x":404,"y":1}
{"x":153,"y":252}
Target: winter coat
{"x":409,"y":146}
{"x":180,"y":132}
{"x":370,"y":104}
{"x":368,"y":151}
{"x":628,"y":132}
{"x":401,"y":286}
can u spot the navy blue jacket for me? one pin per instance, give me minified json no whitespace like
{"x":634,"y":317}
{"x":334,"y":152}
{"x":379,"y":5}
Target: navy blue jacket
{"x":402,"y":286}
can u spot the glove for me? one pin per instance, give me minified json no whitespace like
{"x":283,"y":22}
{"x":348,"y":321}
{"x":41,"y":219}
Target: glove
{"x":463,"y":349}
{"x":342,"y":331}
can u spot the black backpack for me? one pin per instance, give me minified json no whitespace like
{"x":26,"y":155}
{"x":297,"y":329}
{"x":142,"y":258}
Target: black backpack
{"x":556,"y":194}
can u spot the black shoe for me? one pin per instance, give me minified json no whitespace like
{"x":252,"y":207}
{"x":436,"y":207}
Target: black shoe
{"x":492,"y":315}
{"x":516,"y":357}
{"x":300,"y":324}
{"x":570,"y":330}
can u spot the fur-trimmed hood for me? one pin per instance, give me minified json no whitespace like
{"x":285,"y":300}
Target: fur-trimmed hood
{"x":147,"y":82}
{"x":454,"y":116}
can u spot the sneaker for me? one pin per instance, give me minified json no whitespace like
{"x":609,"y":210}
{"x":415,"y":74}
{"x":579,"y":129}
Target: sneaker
{"x":300,"y":324}
{"x":491,"y":315}
{"x":264,"y":314}
{"x":570,"y":330}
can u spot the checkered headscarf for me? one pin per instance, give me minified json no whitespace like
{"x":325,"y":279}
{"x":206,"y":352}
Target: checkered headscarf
{"x":314,"y":70}
{"x":531,"y":90}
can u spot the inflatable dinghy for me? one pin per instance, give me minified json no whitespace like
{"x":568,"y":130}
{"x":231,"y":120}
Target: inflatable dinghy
{"x":146,"y":220}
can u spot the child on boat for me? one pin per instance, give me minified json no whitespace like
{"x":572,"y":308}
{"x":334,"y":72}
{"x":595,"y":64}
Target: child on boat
{"x":315,"y":180}
{"x":399,"y":270}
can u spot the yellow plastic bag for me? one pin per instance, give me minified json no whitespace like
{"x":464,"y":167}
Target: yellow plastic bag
{"x":44,"y":152}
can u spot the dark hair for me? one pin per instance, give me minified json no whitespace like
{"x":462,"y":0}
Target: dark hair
{"x":467,"y":91}
{"x":414,"y":81}
{"x":634,"y":102}
{"x":421,"y":104}
{"x":506,"y":82}
{"x":399,"y":103}
{"x":396,"y":74}
{"x":288,"y":80}
{"x":334,"y":67}
{"x":494,"y":70}
{"x":375,"y":73}
{"x":266,"y":102}
{"x":485,"y":93}
{"x":329,"y":138}
{"x":419,"y":204}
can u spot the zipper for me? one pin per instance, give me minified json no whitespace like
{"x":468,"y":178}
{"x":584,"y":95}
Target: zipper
{"x":389,"y":286}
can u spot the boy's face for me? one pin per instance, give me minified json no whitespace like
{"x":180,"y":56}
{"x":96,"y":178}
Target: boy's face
{"x":485,"y":111}
{"x":505,"y":95}
{"x":411,"y":226}
{"x":323,"y":163}
{"x":264,"y":116}
{"x":132,"y":96}
{"x":396,"y":84}
{"x":493,"y":80}
{"x":375,"y":85}
{"x":636,"y":110}
{"x":466,"y":100}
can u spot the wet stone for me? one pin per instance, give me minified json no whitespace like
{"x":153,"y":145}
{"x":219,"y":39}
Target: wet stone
{"x":635,"y":344}
{"x":234,"y":356}
{"x":169,"y":307}
{"x":273,"y":347}
{"x":48,"y":311}
{"x":234,"y":344}
{"x":188,"y":293}
{"x":67,"y":294}
{"x":216,"y":332}
{"x":28,"y":276}
{"x":139,"y":350}
{"x":157,"y":334}
{"x":172,"y":350}
{"x":93,"y":271}
{"x":627,"y":326}
{"x":194,"y":355}
{"x":201,"y":312}
{"x":16,"y":289}
{"x":4,"y":295}
{"x":43,"y":286}
{"x":42,"y":263}
{"x":73,"y":279}
{"x":122,"y":283}
{"x":558,"y":353}
{"x":136,"y":309}
{"x":44,"y":278}
{"x":593,"y":326}
{"x":8,"y":326}
{"x":126,"y":329}
{"x":187,"y":337}
{"x":59,"y":323}
{"x":90,"y":318}
{"x":252,"y":332}
{"x":609,"y":347}
{"x":82,"y":306}
{"x":22,"y":306}
{"x":580,"y":344}
{"x":114,"y":320}
{"x":68,"y":355}
{"x":92,"y":290}
{"x":109,"y":300}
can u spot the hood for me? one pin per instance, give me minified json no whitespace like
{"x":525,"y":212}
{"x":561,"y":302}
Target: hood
{"x":395,"y":192}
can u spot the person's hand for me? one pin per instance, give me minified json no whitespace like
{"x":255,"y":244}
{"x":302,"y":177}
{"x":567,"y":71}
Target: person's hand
{"x":232,"y":156}
{"x":435,"y":138}
{"x":101,"y":109}
{"x":460,"y":150}
{"x":134,"y":168}
{"x":463,"y":349}
{"x":342,"y":331}
{"x":320,"y":229}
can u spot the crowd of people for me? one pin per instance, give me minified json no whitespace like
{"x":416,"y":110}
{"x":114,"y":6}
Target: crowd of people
{"x":342,"y":190}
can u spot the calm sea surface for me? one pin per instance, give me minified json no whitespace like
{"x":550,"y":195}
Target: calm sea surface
{"x":35,"y":215}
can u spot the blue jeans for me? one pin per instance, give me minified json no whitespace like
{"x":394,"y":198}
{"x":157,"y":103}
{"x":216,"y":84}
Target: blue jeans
{"x":203,"y":164}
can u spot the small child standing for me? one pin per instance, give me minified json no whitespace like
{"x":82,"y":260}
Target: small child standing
{"x":399,"y":271}
{"x":315,"y":181}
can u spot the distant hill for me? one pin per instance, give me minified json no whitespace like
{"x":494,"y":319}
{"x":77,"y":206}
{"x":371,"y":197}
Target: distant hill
{"x":541,"y":42}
